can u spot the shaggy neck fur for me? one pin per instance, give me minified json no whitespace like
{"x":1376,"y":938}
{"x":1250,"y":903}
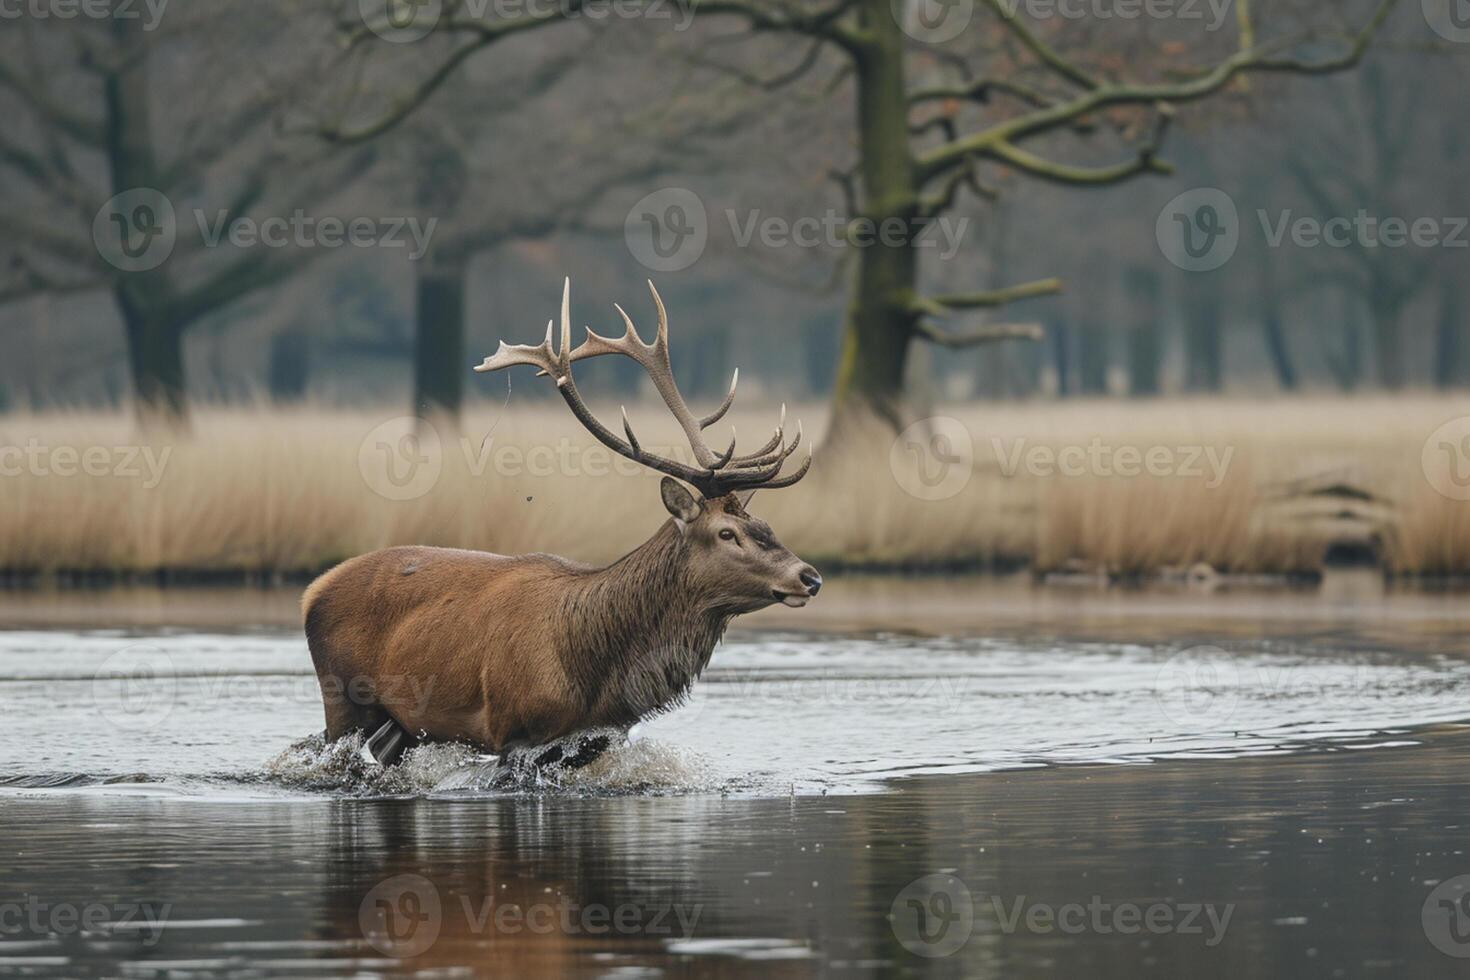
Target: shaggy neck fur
{"x":639,"y":631}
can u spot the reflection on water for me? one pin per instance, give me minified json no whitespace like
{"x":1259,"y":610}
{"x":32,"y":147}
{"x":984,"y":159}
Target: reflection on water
{"x":1319,"y":865}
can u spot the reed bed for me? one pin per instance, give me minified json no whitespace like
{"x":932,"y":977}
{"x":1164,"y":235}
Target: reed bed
{"x":1266,"y":486}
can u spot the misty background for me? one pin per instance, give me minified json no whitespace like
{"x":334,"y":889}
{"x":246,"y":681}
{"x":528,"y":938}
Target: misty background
{"x":527,"y":159}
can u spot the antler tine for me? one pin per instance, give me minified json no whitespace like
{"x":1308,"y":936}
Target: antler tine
{"x":719,"y":413}
{"x":728,"y":454}
{"x":747,"y":478}
{"x":535,"y":355}
{"x":765,"y":459}
{"x":748,"y":458}
{"x":661,"y":339}
{"x":792,"y":477}
{"x":566,"y":322}
{"x":628,"y":431}
{"x":763,"y":454}
{"x":715,"y":474}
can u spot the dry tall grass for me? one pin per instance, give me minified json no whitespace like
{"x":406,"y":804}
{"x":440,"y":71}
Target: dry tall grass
{"x":272,"y":490}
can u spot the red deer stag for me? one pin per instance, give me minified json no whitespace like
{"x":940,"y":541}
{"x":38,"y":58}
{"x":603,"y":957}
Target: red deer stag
{"x":440,"y":644}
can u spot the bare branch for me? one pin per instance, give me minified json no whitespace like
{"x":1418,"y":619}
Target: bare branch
{"x":966,"y":176}
{"x":51,"y":112}
{"x":1044,"y":52}
{"x":808,"y":61}
{"x":946,"y":304}
{"x":980,"y":91}
{"x":984,"y":334}
{"x":1259,"y":59}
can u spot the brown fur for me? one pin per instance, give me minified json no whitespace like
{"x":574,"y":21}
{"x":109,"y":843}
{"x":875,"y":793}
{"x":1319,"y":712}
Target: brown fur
{"x":471,"y":646}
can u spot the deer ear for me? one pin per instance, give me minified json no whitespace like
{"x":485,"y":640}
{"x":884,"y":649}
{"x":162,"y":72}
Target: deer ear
{"x":745,"y":498}
{"x":679,"y":501}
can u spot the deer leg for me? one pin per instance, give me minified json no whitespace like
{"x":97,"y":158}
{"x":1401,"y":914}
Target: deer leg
{"x":387,"y":745}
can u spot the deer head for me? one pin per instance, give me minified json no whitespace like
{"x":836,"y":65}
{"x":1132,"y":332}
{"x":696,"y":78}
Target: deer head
{"x":731,"y":554}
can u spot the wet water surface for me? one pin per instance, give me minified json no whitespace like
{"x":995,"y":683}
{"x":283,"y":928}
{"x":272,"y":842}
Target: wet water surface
{"x":1032,"y":798}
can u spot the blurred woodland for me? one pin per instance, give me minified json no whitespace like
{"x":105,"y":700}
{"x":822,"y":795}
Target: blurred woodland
{"x":523,"y":136}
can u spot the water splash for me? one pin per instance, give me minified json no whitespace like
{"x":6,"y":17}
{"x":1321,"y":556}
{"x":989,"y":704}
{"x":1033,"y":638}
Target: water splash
{"x":627,"y":766}
{"x":339,"y":767}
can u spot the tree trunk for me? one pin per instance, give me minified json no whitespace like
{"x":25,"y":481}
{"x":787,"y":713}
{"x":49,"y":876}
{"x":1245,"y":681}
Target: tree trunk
{"x":289,"y":365}
{"x":879,"y":323}
{"x":1061,"y":334}
{"x":156,"y":362}
{"x":1143,"y":360}
{"x":1449,"y":336}
{"x":1272,"y":333}
{"x":1387,"y":341}
{"x":1347,"y":370}
{"x":1145,"y":343}
{"x":439,"y":364}
{"x":1202,"y":358}
{"x":145,"y":299}
{"x":1093,"y":359}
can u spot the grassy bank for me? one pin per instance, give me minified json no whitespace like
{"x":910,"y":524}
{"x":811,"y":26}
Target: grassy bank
{"x":1124,"y":488}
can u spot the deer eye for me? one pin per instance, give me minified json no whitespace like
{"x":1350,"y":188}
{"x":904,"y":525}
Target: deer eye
{"x":727,"y":535}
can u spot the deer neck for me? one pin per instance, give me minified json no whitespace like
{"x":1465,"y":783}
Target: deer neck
{"x":639,"y":631}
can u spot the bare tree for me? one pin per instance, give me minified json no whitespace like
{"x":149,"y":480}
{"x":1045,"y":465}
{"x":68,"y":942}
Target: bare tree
{"x":492,"y":172}
{"x":920,"y":146}
{"x":117,"y":125}
{"x":1346,"y":174}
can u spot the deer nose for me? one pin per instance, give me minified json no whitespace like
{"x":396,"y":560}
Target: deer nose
{"x":811,"y":580}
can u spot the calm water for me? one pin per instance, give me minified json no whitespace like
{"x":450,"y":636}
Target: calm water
{"x":1152,"y":792}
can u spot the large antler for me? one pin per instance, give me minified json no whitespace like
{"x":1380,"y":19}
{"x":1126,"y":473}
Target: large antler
{"x":715,"y":474}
